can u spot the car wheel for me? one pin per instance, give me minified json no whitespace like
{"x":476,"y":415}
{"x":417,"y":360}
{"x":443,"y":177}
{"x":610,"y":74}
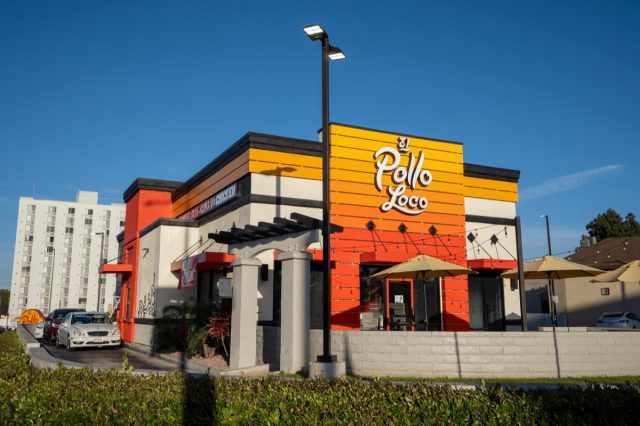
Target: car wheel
{"x":69,"y":348}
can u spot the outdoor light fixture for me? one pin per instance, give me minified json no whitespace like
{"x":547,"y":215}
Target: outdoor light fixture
{"x":315,"y":32}
{"x":335,"y":54}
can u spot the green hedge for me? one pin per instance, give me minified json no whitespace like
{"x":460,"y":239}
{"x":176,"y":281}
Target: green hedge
{"x":65,"y":397}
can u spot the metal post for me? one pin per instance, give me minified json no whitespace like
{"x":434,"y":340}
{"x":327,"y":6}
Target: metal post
{"x":326,"y":212}
{"x":53,"y":265}
{"x":521,"y":282}
{"x":546,"y":218}
{"x":552,"y":306}
{"x":100,"y":263}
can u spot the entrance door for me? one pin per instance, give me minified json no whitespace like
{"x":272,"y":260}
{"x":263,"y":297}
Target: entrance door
{"x":485,"y":303}
{"x":400,"y":305}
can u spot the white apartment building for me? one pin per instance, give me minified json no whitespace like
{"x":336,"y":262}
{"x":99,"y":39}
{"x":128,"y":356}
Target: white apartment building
{"x":58,"y":254}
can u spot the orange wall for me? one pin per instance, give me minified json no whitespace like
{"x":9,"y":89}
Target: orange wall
{"x":355,"y":200}
{"x":145,"y":207}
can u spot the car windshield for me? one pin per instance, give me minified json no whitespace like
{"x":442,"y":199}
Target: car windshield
{"x":612,"y":315}
{"x":60,"y":314}
{"x":90,"y":319}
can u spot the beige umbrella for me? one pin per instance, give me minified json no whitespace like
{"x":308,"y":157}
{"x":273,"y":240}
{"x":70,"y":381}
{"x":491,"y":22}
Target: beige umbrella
{"x":423,"y":267}
{"x":626,"y":273}
{"x":551,"y":267}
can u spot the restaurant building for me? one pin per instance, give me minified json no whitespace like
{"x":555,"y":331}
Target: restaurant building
{"x":250,"y":218}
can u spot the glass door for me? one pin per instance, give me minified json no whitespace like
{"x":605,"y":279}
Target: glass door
{"x":400,"y":304}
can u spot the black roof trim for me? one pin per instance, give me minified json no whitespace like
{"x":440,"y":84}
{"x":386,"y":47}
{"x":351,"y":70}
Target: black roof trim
{"x":168,"y":222}
{"x":255,"y":140}
{"x":395,"y":133}
{"x":495,"y":173}
{"x":490,"y":220}
{"x":153,"y":184}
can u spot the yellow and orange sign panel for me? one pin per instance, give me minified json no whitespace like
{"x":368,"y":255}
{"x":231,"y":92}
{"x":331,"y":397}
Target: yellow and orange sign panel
{"x":31,"y":316}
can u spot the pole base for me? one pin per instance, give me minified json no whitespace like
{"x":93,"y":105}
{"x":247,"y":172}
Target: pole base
{"x":327,"y":358}
{"x":327,"y":370}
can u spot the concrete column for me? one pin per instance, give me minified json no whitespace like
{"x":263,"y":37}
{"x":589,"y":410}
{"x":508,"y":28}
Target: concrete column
{"x":244,"y":312}
{"x":295,"y":311}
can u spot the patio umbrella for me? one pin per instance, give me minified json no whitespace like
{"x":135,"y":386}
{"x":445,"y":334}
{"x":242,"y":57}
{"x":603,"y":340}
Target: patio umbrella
{"x":552,"y":268}
{"x":626,"y":273}
{"x":423,"y":267}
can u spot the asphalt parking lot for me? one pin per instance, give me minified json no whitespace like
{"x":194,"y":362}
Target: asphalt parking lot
{"x":111,"y":358}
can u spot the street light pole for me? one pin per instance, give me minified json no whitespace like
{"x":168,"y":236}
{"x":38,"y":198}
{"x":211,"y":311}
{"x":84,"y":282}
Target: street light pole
{"x":100,"y":263}
{"x":53,"y":265}
{"x":546,"y":219}
{"x":315,"y":32}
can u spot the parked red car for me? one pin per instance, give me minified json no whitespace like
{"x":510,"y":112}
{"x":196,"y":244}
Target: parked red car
{"x":52,"y":321}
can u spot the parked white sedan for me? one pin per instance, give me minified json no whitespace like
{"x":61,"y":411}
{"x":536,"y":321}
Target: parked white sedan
{"x":87,"y":329}
{"x":618,"y":320}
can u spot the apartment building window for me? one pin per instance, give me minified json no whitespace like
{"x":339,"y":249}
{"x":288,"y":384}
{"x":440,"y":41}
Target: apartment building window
{"x":51,"y":229}
{"x":31,"y":208}
{"x":121,"y":223}
{"x":90,"y":212}
{"x":82,"y":301}
{"x":51,"y":239}
{"x":88,"y":221}
{"x":72,"y":210}
{"x":68,"y":230}
{"x":28,"y":238}
{"x":52,"y":209}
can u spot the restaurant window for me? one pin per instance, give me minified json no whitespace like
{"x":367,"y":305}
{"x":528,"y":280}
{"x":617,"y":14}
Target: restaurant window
{"x":411,"y":305}
{"x":372,"y":298}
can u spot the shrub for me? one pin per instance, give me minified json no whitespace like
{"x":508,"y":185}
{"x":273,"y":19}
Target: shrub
{"x":66,"y":396}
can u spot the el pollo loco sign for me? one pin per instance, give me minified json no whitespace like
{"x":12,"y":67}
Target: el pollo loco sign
{"x":411,"y":177}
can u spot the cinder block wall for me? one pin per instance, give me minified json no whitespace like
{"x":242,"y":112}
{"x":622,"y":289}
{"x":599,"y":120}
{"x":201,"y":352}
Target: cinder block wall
{"x":485,"y":354}
{"x":268,"y":347}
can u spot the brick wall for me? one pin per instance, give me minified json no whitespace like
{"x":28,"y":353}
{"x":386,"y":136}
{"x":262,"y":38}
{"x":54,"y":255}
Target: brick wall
{"x":484,"y":354}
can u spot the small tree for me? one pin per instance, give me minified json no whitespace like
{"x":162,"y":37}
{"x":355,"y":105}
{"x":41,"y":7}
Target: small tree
{"x":219,"y":327}
{"x":4,"y":301}
{"x":610,"y":224}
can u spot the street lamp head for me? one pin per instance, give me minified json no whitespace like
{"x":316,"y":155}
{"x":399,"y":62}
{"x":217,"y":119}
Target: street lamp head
{"x":335,"y":54}
{"x":315,"y":32}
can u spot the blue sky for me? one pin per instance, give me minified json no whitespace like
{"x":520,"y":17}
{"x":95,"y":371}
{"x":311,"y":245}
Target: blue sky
{"x":95,"y":94}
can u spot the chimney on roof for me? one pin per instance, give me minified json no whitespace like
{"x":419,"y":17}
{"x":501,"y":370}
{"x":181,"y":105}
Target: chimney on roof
{"x":587,"y":241}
